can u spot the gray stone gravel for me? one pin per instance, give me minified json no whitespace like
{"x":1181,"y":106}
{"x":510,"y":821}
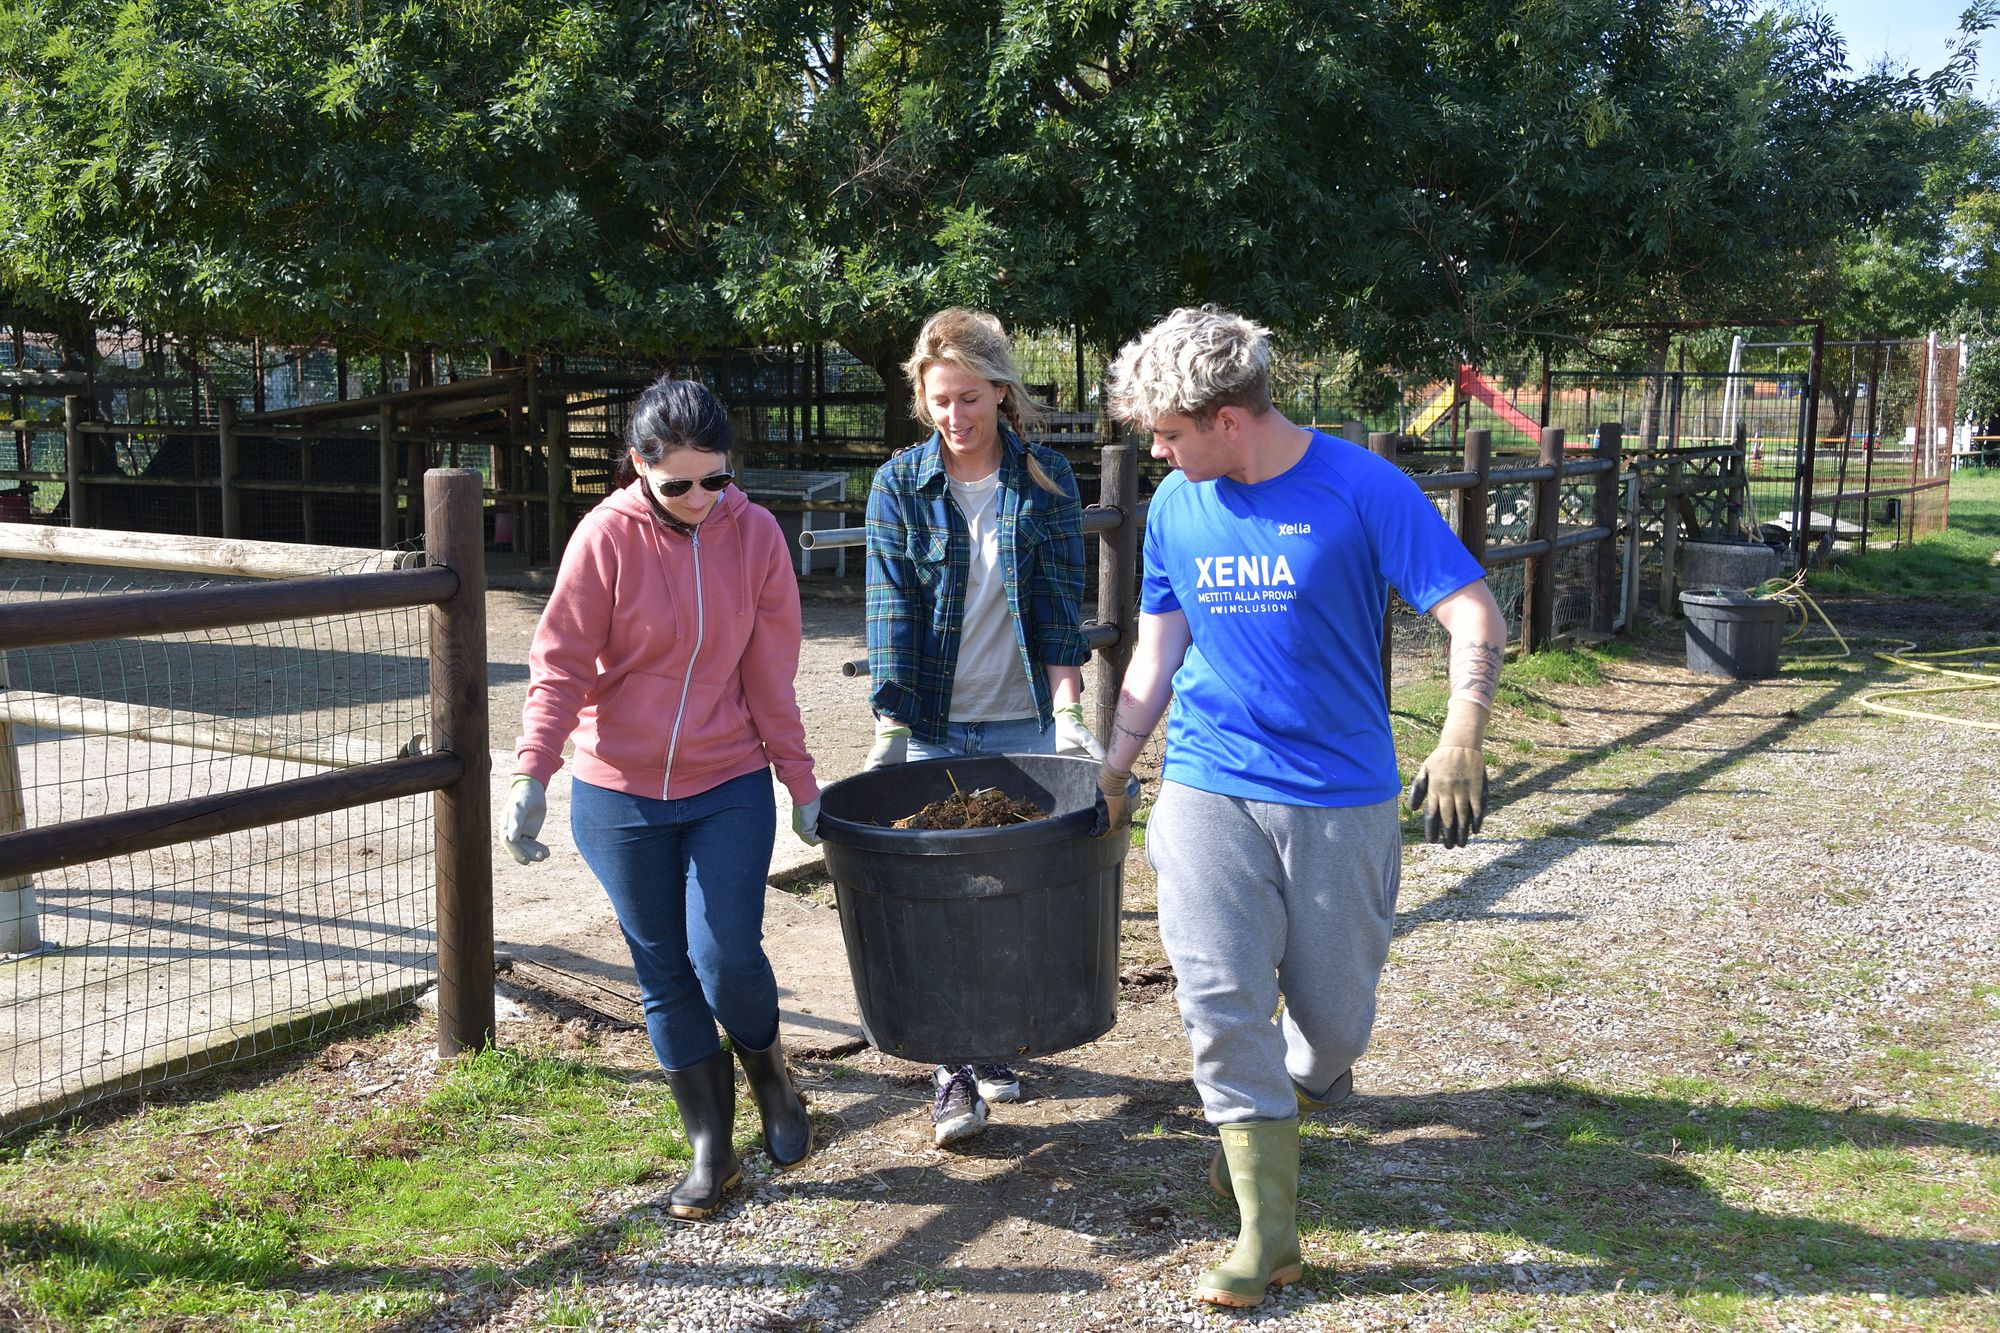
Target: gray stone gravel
{"x":1704,"y":882}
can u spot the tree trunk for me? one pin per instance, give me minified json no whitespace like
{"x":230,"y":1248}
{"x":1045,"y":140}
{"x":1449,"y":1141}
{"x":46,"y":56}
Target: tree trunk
{"x":1656,"y":389}
{"x":900,"y":428}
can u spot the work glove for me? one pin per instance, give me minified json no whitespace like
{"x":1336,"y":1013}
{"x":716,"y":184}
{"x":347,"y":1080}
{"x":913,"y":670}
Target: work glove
{"x":527,"y":807}
{"x":805,"y":822}
{"x":1116,"y":790}
{"x":1072,"y":737}
{"x":1450,"y":786}
{"x":892,"y":744}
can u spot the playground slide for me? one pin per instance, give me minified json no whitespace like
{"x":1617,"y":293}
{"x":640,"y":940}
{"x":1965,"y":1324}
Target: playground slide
{"x":1473,"y":385}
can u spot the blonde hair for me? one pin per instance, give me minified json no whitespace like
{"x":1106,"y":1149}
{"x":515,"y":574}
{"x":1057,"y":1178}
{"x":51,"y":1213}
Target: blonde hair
{"x":976,"y":343}
{"x":1194,"y":362}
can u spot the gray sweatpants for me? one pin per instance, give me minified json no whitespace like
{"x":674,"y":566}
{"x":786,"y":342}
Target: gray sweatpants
{"x":1260,"y":900}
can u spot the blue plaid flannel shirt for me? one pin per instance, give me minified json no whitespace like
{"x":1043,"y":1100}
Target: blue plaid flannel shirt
{"x":919,"y":554}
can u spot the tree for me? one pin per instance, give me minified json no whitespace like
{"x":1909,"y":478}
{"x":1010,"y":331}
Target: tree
{"x":482,"y":172}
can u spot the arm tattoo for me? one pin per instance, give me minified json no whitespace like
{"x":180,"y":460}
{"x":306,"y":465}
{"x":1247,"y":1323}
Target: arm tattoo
{"x":1475,"y":669}
{"x":1129,"y":705}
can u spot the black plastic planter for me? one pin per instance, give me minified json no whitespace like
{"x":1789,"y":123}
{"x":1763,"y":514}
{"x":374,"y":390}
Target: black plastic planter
{"x":976,"y":944}
{"x":1733,"y":634}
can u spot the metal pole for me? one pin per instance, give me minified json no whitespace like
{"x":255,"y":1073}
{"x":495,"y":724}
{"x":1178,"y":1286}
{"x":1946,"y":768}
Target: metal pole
{"x":1802,"y":527}
{"x":1870,"y":443}
{"x":454,"y":538}
{"x":1383,"y":445}
{"x":1604,"y":514}
{"x":1117,"y":577}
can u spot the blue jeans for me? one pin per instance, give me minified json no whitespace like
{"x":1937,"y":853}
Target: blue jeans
{"x":1020,"y":735}
{"x":686,"y":878}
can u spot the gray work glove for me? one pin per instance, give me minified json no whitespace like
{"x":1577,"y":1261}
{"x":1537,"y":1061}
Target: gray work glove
{"x":527,"y":807}
{"x":1073,"y":738}
{"x":805,"y":822}
{"x":892,"y":744}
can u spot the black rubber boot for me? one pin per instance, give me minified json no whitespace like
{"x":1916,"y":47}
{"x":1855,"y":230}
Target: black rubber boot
{"x":706,"y":1095}
{"x":788,"y":1131}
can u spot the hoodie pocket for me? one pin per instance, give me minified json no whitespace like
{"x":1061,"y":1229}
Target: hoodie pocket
{"x":716,"y":727}
{"x":635,"y":721}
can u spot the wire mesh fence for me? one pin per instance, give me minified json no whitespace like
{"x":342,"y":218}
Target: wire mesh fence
{"x":134,"y":970}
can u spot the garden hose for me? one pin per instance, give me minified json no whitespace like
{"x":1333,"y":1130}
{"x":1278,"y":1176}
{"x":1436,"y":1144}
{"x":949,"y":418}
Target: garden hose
{"x":1793,"y":593}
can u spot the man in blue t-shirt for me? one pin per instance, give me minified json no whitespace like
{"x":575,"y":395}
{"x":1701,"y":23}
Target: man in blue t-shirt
{"x":1269,"y":558}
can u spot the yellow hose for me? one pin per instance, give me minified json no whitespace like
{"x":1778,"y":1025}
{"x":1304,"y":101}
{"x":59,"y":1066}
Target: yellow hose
{"x":1794,"y":594}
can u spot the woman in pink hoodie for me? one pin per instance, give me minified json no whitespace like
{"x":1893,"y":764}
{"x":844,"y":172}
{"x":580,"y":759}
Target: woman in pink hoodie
{"x":667,"y":654}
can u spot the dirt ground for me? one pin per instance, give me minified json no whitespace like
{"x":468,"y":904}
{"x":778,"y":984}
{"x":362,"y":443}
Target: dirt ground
{"x":1696,"y":903}
{"x":1690,"y":891}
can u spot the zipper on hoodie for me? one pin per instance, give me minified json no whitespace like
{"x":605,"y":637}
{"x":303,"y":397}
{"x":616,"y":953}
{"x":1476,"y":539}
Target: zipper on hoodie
{"x":674,"y":742}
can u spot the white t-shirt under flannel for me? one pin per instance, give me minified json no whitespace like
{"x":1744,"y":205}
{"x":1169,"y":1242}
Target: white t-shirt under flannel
{"x":989,"y":684}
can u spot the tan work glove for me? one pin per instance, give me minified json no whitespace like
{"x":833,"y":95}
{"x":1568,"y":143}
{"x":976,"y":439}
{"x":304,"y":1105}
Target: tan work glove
{"x":1450,"y":786}
{"x":1116,"y":790}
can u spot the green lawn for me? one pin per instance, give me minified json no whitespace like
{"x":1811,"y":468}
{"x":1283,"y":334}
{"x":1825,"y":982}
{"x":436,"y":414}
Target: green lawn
{"x":1959,"y":565}
{"x":249,"y":1202}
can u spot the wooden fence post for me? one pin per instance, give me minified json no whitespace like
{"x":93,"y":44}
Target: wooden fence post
{"x":1383,"y":445}
{"x":74,"y":462}
{"x":454,"y":537}
{"x":558,"y":483}
{"x":385,"y":429}
{"x":1547,"y":522}
{"x":1117,"y":577}
{"x":231,"y":465}
{"x":1604,"y":514}
{"x":1474,"y":500}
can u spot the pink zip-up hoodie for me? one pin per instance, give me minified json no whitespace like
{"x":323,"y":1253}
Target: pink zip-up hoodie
{"x":669,"y":656}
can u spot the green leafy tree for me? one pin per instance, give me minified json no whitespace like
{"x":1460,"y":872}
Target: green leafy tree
{"x":478,"y":172}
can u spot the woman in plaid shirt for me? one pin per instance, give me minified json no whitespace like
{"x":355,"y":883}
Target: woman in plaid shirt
{"x":975,"y":591}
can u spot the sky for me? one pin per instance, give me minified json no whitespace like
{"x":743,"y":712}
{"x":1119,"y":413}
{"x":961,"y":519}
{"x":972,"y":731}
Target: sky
{"x":1912,"y":32}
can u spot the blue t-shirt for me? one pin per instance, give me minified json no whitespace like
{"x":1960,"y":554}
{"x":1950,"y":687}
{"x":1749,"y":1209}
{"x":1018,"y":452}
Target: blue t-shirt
{"x":1284,"y":584}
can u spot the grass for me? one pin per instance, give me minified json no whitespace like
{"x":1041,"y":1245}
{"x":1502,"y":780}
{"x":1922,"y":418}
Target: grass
{"x":1957,"y":566}
{"x":1721,"y":1202}
{"x":180,"y":1209}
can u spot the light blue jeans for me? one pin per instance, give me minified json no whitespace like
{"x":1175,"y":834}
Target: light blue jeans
{"x":962,"y":740}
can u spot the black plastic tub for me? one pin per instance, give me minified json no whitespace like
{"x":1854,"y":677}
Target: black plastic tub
{"x":976,"y":944}
{"x":1733,"y":634}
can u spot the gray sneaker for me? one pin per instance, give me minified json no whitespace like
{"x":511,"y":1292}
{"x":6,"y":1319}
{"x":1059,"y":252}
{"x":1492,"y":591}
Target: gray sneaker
{"x":997,"y":1083}
{"x":957,"y":1109}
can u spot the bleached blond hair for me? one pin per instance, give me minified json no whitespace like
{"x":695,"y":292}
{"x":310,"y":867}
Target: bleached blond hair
{"x":977,"y":343}
{"x":1193,"y":363}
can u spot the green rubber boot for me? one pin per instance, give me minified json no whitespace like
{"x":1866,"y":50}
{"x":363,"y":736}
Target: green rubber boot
{"x":1337,"y":1092}
{"x":1264,"y":1170}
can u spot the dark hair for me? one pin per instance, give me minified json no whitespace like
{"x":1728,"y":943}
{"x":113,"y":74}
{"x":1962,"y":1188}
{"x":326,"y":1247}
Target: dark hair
{"x":672,"y":414}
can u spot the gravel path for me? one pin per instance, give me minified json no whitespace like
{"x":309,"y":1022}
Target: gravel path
{"x":1752,"y":886}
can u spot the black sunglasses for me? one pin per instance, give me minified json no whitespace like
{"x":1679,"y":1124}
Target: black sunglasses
{"x":680,"y":486}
